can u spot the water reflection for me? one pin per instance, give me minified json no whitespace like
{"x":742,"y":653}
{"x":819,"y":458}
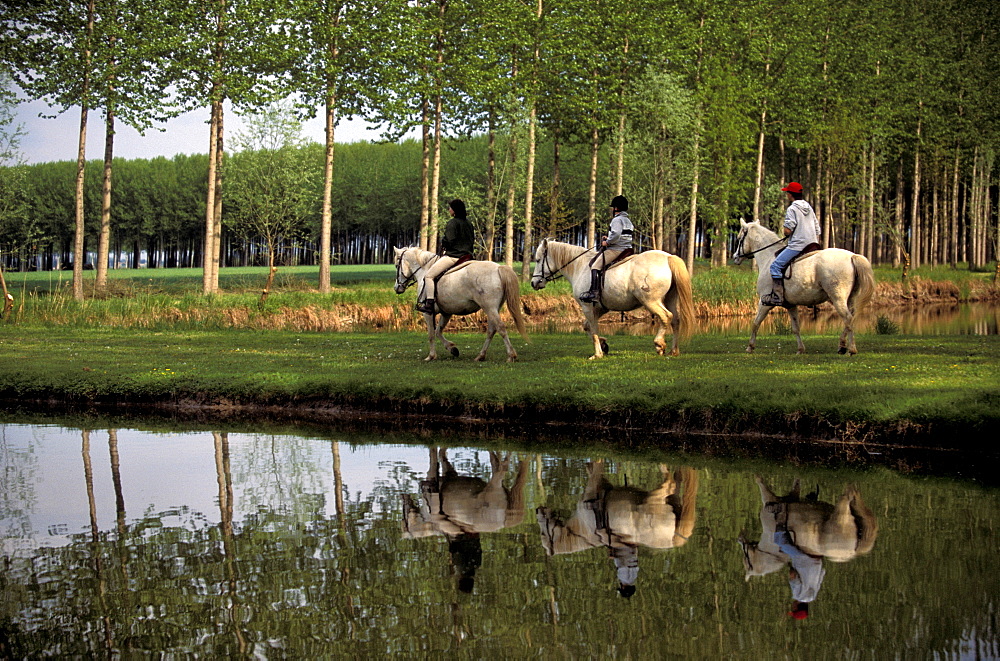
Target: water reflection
{"x":461,"y":507}
{"x":124,"y":543}
{"x":802,"y":533}
{"x":931,"y":319}
{"x":622,"y":518}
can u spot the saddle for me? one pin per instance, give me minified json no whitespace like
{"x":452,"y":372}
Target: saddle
{"x":462,"y":262}
{"x":812,"y":247}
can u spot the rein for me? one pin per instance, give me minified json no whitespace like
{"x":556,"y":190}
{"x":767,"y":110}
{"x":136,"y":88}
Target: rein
{"x":555,"y":274}
{"x":410,"y":279}
{"x":741,"y":254}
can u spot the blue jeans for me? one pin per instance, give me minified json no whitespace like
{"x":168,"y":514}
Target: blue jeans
{"x":781,"y":261}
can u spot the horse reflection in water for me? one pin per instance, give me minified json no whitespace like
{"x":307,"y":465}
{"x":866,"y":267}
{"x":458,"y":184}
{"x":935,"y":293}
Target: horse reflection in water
{"x":460,"y":507}
{"x":623,"y":518}
{"x":801,"y":533}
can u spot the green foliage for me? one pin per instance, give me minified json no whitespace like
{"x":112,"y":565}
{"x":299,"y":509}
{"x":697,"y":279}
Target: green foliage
{"x":886,"y":326}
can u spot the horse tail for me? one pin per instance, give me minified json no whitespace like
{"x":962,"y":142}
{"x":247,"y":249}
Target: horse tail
{"x":512,"y":297}
{"x":866,"y":522}
{"x":864,"y":284}
{"x":685,"y":521}
{"x":681,"y":286}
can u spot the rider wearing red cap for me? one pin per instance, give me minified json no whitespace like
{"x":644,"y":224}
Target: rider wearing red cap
{"x":802,"y":228}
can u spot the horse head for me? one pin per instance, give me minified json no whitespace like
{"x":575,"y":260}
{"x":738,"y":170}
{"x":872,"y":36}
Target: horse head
{"x":538,"y":277}
{"x":406,"y":273}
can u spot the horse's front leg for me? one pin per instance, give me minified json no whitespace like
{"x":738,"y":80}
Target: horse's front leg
{"x":448,"y":344}
{"x":793,"y":314}
{"x":431,"y":334}
{"x":762,"y":311}
{"x":590,"y":328}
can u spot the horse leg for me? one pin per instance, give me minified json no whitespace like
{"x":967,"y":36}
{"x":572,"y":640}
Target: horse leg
{"x":590,"y":328}
{"x":793,"y":315}
{"x":847,"y":337}
{"x":762,"y":311}
{"x":431,"y":334}
{"x":766,"y":495}
{"x":665,"y":319}
{"x":448,"y":344}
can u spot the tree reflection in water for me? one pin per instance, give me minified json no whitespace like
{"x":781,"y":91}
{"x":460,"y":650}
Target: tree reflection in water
{"x":238,"y":545}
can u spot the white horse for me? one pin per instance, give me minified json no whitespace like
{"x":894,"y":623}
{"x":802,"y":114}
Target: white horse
{"x":621,"y":519}
{"x":837,"y":532}
{"x":469,"y":287}
{"x":655,"y":280}
{"x":840,"y":276}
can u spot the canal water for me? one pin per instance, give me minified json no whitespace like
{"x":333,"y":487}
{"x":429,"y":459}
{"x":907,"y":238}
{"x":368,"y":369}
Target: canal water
{"x":127,"y":542}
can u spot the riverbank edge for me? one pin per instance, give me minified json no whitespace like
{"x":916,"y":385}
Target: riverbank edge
{"x":517,"y":419}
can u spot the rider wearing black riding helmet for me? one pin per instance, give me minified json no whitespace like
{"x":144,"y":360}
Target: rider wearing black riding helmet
{"x":613,"y":246}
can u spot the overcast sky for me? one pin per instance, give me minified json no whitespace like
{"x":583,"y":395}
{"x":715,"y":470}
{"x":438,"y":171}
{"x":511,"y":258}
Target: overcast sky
{"x":57,"y":139}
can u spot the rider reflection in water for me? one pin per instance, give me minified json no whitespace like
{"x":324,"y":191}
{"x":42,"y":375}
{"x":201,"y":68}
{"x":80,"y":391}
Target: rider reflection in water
{"x":466,"y":556}
{"x":621,"y":518}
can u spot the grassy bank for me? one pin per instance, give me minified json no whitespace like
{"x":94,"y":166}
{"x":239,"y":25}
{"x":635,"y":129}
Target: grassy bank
{"x":942,"y":390}
{"x":363,"y":299}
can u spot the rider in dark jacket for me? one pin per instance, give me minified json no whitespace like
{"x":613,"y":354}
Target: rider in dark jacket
{"x":458,"y":243}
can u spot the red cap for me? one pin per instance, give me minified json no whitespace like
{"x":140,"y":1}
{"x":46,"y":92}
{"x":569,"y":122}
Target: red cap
{"x":799,"y":615}
{"x":793,"y":187}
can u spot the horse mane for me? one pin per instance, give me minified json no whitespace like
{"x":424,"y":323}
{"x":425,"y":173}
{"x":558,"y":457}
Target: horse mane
{"x":769,"y":233}
{"x":562,"y":251}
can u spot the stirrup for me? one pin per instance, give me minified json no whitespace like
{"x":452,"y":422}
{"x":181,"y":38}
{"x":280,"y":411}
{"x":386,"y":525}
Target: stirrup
{"x":771,"y":300}
{"x":589,"y":297}
{"x":426,"y":306}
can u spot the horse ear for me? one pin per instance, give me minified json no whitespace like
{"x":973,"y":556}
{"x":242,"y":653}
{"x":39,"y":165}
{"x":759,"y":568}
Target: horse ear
{"x":743,"y":223}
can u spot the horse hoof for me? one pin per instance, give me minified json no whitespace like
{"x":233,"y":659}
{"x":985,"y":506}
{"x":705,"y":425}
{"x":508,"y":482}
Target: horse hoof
{"x":454,"y":352}
{"x":749,"y":349}
{"x":842,"y":350}
{"x":480,"y":358}
{"x":604,"y":347}
{"x":512,"y":359}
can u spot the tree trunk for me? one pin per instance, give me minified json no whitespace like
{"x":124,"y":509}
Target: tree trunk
{"x":326,"y":218}
{"x":595,"y":147}
{"x":508,"y":226}
{"x":915,"y":230}
{"x":101,"y":281}
{"x":529,"y":194}
{"x":81,"y":162}
{"x":425,"y":184}
{"x":489,"y":239}
{"x":693,"y":221}
{"x":210,"y":249}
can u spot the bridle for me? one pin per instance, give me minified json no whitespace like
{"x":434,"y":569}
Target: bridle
{"x":555,"y":274}
{"x":739,"y":254}
{"x":410,"y":279}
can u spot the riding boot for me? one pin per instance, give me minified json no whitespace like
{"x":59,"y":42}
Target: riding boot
{"x":426,"y":306}
{"x":595,"y":287}
{"x":777,"y":295}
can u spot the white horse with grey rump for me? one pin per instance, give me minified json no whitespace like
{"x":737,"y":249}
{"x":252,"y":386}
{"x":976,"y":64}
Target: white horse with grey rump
{"x":464,"y":289}
{"x":840,"y":276}
{"x":655,"y":280}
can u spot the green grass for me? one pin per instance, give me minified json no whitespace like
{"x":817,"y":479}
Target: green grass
{"x":951,"y":381}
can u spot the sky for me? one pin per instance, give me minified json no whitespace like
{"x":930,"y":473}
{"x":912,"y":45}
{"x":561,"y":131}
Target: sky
{"x":56,"y":139}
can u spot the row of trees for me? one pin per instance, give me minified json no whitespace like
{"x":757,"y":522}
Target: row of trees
{"x":886,"y":111}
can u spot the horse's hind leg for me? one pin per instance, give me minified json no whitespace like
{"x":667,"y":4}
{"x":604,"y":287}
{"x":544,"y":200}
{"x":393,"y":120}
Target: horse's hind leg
{"x":793,"y":315}
{"x":439,"y":330}
{"x":847,"y":336}
{"x":665,"y":319}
